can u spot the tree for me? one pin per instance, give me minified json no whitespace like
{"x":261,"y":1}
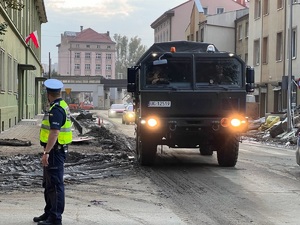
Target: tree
{"x":127,"y":52}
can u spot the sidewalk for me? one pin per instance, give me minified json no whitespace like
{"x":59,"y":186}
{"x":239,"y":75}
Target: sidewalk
{"x":25,"y":130}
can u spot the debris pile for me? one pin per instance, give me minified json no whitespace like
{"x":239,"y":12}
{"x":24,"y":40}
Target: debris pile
{"x":273,"y":129}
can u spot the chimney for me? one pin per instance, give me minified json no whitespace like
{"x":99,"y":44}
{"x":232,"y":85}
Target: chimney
{"x":81,"y":28}
{"x":107,"y":33}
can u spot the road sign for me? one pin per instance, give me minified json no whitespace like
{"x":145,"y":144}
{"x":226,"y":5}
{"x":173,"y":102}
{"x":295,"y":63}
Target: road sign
{"x":68,"y":90}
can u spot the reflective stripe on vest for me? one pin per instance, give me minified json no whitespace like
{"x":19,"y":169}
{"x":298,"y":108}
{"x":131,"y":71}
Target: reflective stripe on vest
{"x":65,"y":134}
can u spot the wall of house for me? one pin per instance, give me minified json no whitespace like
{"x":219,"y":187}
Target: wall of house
{"x":180,"y":21}
{"x":221,"y":25}
{"x":20,"y":96}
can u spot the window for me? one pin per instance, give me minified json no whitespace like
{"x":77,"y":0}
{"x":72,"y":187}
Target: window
{"x":2,"y":67}
{"x":220,"y":71}
{"x":77,"y":45}
{"x":240,"y":32}
{"x":15,"y":78}
{"x":205,"y":10}
{"x":294,"y":43}
{"x":246,"y":30}
{"x":87,"y":66}
{"x":279,"y":46}
{"x":220,"y":10}
{"x":87,"y":55}
{"x":77,"y":67}
{"x":77,"y":55}
{"x":98,"y":55}
{"x":256,"y":53}
{"x":257,"y":9}
{"x":108,"y":67}
{"x":98,"y":46}
{"x":202,"y":35}
{"x":265,"y":50}
{"x":279,"y":4}
{"x":266,"y":7}
{"x":98,"y":66}
{"x":108,"y":47}
{"x":9,"y":72}
{"x":108,"y":56}
{"x":88,"y":46}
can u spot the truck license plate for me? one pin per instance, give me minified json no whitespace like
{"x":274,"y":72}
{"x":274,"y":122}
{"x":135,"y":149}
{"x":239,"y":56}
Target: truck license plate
{"x":161,"y":104}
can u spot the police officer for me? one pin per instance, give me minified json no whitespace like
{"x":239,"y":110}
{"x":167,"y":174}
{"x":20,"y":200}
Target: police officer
{"x":55,"y":135}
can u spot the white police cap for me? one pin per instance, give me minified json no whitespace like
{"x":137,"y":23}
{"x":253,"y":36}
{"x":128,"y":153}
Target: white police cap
{"x":53,"y":85}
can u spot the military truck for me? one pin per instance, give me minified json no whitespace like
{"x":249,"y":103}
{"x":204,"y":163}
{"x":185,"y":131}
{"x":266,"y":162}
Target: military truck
{"x":189,"y":95}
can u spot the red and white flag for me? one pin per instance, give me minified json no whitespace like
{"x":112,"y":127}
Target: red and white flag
{"x":34,"y":37}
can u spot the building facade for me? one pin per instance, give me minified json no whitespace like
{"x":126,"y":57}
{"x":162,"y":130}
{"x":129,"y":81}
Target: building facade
{"x":269,"y":52}
{"x":172,"y":24}
{"x":20,"y":67}
{"x":86,"y":53}
{"x":213,"y":19}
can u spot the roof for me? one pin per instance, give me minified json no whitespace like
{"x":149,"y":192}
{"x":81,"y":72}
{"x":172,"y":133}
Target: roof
{"x":199,"y":6}
{"x":181,"y":46}
{"x":88,"y":35}
{"x":41,"y":11}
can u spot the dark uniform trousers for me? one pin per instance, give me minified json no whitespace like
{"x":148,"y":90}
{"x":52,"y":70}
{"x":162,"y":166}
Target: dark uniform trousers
{"x":53,"y":184}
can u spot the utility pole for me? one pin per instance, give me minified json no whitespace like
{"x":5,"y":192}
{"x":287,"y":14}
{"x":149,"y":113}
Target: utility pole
{"x":49,"y":66}
{"x":289,"y":90}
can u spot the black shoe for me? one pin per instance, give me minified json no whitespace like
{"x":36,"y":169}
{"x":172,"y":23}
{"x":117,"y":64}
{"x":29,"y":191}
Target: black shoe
{"x":40,"y":218}
{"x":48,"y":222}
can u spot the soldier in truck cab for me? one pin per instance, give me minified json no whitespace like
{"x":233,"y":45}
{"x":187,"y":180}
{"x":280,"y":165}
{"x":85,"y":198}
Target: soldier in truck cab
{"x":221,"y":76}
{"x":157,"y":76}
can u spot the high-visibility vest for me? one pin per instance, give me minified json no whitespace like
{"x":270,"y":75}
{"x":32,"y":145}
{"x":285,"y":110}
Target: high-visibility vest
{"x":65,"y":134}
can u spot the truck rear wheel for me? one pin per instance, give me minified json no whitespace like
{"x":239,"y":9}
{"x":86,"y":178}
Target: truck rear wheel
{"x":227,"y":153}
{"x":145,"y":151}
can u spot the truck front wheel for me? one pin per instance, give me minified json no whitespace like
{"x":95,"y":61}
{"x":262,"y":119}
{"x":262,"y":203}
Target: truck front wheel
{"x":145,"y":151}
{"x":228,"y":150}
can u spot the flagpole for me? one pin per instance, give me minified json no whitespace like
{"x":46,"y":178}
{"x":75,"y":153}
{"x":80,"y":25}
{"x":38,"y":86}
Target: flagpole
{"x":49,"y":75}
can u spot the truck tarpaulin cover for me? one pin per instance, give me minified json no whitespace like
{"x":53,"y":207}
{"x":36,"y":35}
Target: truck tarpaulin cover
{"x":181,"y":46}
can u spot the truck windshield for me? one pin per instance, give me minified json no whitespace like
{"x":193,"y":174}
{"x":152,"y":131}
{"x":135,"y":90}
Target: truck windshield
{"x":177,"y":73}
{"x":218,"y":71}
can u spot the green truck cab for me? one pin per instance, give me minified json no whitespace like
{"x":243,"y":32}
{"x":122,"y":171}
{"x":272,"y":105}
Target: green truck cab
{"x":189,"y":95}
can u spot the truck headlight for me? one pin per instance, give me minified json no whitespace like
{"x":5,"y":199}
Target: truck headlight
{"x":152,"y":122}
{"x":236,"y":122}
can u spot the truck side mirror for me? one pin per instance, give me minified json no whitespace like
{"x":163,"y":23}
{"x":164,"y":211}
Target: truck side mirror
{"x":250,"y":79}
{"x":249,"y":75}
{"x":131,"y":79}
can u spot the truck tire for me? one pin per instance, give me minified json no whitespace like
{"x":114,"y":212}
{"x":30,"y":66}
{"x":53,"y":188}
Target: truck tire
{"x":145,"y":151}
{"x":227,"y":153}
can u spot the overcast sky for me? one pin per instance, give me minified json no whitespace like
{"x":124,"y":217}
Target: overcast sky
{"x":126,"y":17}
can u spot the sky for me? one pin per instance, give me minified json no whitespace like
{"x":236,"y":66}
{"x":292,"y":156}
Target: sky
{"x":125,"y":17}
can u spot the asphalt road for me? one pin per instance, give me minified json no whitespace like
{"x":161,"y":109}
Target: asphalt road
{"x":263,"y":188}
{"x":182,"y":187}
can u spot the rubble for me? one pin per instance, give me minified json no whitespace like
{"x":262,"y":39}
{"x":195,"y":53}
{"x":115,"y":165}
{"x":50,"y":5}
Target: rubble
{"x":273,"y":130}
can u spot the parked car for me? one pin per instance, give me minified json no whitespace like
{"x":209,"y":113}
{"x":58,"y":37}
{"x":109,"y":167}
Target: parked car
{"x":116,"y":110}
{"x":128,"y":115}
{"x":86,"y":106}
{"x":74,"y":106}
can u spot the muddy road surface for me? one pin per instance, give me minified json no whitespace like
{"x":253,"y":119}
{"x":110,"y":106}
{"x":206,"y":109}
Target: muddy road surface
{"x":104,"y":185}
